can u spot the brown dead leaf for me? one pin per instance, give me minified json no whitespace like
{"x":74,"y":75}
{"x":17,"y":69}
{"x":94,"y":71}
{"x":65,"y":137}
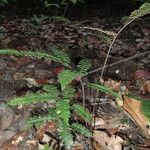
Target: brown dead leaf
{"x":145,"y":89}
{"x":133,"y":107}
{"x":97,"y":146}
{"x":106,"y":142}
{"x":49,"y":127}
{"x":99,"y":123}
{"x":101,"y":137}
{"x":77,"y":147}
{"x":115,"y":85}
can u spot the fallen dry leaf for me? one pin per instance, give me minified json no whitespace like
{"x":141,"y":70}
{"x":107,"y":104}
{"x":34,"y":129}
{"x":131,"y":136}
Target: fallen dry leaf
{"x":133,"y":107}
{"x":49,"y":127}
{"x":106,"y":142}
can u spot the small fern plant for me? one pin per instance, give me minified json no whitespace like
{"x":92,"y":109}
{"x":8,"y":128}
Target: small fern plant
{"x":62,"y":112}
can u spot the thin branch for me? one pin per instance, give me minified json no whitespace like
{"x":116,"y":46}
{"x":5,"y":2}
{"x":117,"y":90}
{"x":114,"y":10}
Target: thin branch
{"x":118,"y":62}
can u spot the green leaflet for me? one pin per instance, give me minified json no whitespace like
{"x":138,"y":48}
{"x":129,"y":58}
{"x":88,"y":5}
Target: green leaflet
{"x":143,"y":10}
{"x":65,"y":77}
{"x":60,"y":54}
{"x":32,"y":54}
{"x":80,"y":110}
{"x":38,"y":120}
{"x":103,"y":88}
{"x":65,"y":134}
{"x":51,"y":89}
{"x":63,"y":110}
{"x":81,"y":129}
{"x":32,"y":99}
{"x":69,"y":92}
{"x":84,"y":65}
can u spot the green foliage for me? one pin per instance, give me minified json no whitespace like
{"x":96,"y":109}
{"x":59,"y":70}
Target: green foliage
{"x":32,"y":99}
{"x":68,"y":93}
{"x":65,"y":77}
{"x":81,"y":129}
{"x":84,"y":65}
{"x":65,"y":134}
{"x":146,"y":108}
{"x":143,"y":10}
{"x":51,"y":89}
{"x":80,"y":110}
{"x":38,"y":20}
{"x":62,"y":110}
{"x":60,"y":19}
{"x":35,"y":55}
{"x":103,"y":88}
{"x":60,"y":54}
{"x":46,"y":147}
{"x":38,"y":120}
{"x":3,"y":2}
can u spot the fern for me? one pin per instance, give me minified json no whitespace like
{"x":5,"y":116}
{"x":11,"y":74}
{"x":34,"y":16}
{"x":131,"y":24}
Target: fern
{"x":84,"y":65}
{"x":65,"y":77}
{"x":65,"y":134}
{"x":143,"y":10}
{"x":81,"y":129}
{"x":38,"y":120}
{"x":32,"y":54}
{"x":69,"y":92}
{"x":51,"y":89}
{"x":60,"y":54}
{"x":103,"y":88}
{"x":63,"y":110}
{"x":82,"y":112}
{"x":32,"y":99}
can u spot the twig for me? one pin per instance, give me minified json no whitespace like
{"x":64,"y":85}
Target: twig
{"x":119,"y":62}
{"x":100,"y":30}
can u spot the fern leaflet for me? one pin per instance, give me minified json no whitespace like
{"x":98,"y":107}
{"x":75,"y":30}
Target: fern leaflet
{"x":81,"y":129}
{"x":63,"y":110}
{"x":60,"y":54}
{"x":32,"y":99}
{"x":103,"y":88}
{"x":82,"y":112}
{"x":32,"y":54}
{"x":143,"y":10}
{"x":65,"y":134}
{"x":69,"y":92}
{"x":84,"y":65}
{"x":65,"y":77}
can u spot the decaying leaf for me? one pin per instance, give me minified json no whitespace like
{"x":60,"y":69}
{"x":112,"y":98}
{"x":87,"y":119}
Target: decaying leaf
{"x":49,"y":127}
{"x":133,"y":107}
{"x":106,"y":142}
{"x":99,"y":123}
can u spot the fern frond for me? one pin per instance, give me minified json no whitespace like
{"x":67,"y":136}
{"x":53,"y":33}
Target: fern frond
{"x":84,"y":65}
{"x":69,"y":92}
{"x":32,"y":54}
{"x":143,"y":10}
{"x":81,"y":129}
{"x":80,"y":110}
{"x":65,"y":77}
{"x":103,"y":88}
{"x":51,"y":89}
{"x":65,"y":134}
{"x":32,"y":99}
{"x":145,"y":107}
{"x":60,"y":54}
{"x":63,"y":110}
{"x":38,"y":120}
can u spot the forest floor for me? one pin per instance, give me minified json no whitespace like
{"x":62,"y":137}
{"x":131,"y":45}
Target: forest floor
{"x":80,"y":39}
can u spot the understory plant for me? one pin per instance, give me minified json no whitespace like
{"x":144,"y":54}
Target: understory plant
{"x":64,"y":107}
